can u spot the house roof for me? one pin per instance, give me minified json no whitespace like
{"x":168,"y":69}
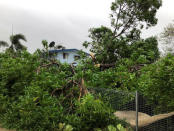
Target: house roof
{"x":65,"y":50}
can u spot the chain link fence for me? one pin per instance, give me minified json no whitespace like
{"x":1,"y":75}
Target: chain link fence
{"x":135,"y":109}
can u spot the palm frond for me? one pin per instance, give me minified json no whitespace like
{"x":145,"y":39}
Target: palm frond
{"x":19,"y":46}
{"x":52,"y":44}
{"x":17,"y":37}
{"x":3,"y":44}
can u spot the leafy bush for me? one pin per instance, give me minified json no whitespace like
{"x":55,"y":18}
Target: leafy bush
{"x":63,"y":127}
{"x":156,"y":83}
{"x":145,"y":51}
{"x":93,"y":113}
{"x":37,"y":94}
{"x":16,"y":73}
{"x":122,"y":76}
{"x":119,"y":127}
{"x":35,"y":110}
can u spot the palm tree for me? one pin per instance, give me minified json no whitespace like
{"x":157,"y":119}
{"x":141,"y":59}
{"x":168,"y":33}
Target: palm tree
{"x":53,"y":45}
{"x":15,"y":42}
{"x":59,"y":47}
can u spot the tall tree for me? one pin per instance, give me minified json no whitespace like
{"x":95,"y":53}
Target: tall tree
{"x":129,"y":16}
{"x":127,"y":19}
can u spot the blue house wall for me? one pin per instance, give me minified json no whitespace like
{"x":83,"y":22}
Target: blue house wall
{"x":66,"y":55}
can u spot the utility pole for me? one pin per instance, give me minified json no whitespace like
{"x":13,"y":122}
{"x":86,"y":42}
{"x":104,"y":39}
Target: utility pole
{"x":12,"y":30}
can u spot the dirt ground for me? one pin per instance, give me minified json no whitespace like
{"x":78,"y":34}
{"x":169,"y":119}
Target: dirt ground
{"x":2,"y":129}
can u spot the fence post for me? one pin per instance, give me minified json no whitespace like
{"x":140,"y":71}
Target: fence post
{"x":136,"y":101}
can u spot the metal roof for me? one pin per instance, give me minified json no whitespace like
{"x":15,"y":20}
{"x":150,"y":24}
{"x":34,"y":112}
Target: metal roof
{"x":65,"y":50}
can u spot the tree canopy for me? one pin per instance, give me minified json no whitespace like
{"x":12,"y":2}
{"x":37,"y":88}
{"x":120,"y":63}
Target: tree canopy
{"x":127,"y":19}
{"x":129,"y":16}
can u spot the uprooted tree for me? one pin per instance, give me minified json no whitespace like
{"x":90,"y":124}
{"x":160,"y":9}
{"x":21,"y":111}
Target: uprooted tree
{"x":38,"y":94}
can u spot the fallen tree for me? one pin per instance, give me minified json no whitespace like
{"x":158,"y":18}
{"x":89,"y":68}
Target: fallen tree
{"x":37,"y":94}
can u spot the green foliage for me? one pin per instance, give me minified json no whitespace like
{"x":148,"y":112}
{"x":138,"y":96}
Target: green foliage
{"x":108,"y":50}
{"x":105,"y":48}
{"x":129,"y":16}
{"x":63,"y":127}
{"x":15,"y":74}
{"x":36,"y":110}
{"x":37,"y":94}
{"x":26,"y":91}
{"x":45,"y":44}
{"x":156,"y":83}
{"x":47,"y":47}
{"x":93,"y":113}
{"x":3,"y":44}
{"x":145,"y":51}
{"x":119,"y":127}
{"x":116,"y":78}
{"x":127,"y":19}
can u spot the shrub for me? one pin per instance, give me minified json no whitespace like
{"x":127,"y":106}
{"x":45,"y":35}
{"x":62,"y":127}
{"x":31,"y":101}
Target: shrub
{"x":93,"y":113}
{"x":156,"y":83}
{"x":36,"y":110}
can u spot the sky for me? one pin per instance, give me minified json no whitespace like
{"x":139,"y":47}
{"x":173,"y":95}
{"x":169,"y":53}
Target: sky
{"x":64,"y":21}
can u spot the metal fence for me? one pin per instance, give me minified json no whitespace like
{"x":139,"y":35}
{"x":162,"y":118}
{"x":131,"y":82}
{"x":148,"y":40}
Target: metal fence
{"x":134,"y":108}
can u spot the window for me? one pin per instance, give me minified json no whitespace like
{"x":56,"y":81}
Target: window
{"x":65,"y":55}
{"x":76,"y":57}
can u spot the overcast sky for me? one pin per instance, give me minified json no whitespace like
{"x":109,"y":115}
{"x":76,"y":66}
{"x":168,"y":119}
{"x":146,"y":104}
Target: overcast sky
{"x":64,"y":21}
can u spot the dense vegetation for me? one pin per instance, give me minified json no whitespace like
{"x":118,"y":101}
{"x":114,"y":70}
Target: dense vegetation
{"x":128,"y":18}
{"x":39,"y":93}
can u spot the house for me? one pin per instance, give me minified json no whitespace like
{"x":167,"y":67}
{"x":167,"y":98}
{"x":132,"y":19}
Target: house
{"x":67,"y":55}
